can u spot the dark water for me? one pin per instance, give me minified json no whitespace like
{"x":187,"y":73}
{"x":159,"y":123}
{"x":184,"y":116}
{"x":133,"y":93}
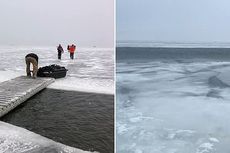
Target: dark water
{"x":167,"y":54}
{"x":81,"y":120}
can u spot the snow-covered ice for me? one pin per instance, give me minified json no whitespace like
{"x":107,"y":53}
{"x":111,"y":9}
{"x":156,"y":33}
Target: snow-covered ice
{"x":92,"y":70}
{"x":173,"y":107}
{"x":14,"y":139}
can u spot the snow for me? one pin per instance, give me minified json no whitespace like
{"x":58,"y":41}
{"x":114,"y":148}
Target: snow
{"x":84,"y":85}
{"x":14,"y":139}
{"x":7,"y":75}
{"x":214,"y":140}
{"x":92,"y":70}
{"x":171,"y":107}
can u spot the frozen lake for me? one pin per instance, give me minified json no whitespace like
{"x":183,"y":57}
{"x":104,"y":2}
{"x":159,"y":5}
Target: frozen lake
{"x":92,"y":70}
{"x":173,"y":100}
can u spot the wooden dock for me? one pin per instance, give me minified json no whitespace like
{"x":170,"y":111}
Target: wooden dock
{"x":18,"y":90}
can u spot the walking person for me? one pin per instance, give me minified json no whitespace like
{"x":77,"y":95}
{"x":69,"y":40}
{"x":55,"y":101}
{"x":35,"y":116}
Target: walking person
{"x":71,"y":49}
{"x":31,"y":59}
{"x":60,"y":51}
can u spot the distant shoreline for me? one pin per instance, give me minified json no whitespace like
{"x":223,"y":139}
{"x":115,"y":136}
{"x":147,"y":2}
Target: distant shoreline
{"x":176,"y":47}
{"x":173,"y":44}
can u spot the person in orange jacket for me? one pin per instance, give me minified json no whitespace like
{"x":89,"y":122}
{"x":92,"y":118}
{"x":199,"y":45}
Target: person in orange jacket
{"x":71,"y":49}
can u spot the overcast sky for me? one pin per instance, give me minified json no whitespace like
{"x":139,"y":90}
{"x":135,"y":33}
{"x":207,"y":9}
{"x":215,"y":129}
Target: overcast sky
{"x":173,"y":20}
{"x":47,"y":22}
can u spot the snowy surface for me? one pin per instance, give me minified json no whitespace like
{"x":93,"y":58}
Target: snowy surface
{"x":173,"y":107}
{"x":92,"y":70}
{"x":18,"y":140}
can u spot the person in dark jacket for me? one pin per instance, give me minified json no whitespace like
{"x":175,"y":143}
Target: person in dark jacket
{"x":60,"y":51}
{"x":31,"y":59}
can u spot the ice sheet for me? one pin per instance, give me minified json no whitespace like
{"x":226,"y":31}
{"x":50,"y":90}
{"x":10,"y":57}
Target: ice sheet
{"x":14,"y":139}
{"x":92,"y":70}
{"x":7,"y":75}
{"x":173,"y":107}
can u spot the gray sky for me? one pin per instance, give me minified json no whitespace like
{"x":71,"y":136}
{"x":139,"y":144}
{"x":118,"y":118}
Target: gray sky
{"x":48,"y":22}
{"x":173,"y":20}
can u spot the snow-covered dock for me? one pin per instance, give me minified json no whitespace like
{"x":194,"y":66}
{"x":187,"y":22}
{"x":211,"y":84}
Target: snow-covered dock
{"x":18,"y":90}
